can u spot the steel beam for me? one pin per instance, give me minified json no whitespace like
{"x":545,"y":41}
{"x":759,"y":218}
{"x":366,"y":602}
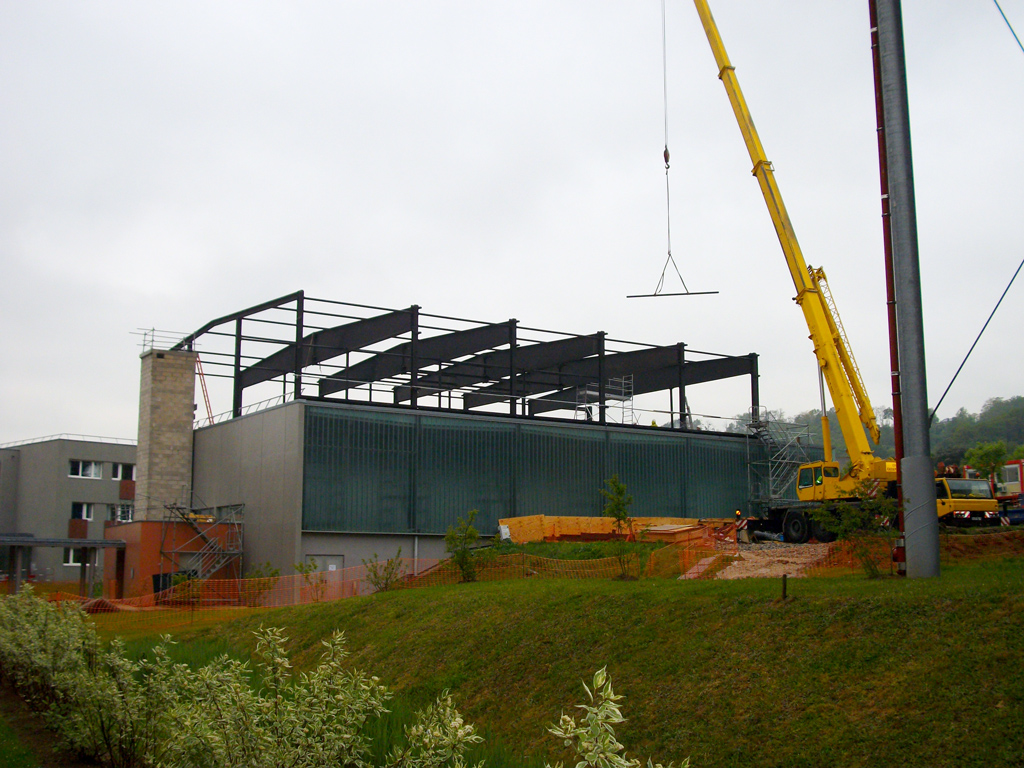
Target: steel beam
{"x":497,"y":365}
{"x":430,"y":351}
{"x":320,"y":346}
{"x":695,"y":372}
{"x":187,"y":342}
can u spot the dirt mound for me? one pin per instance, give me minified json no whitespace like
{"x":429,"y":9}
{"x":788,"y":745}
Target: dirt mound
{"x":100,"y":605}
{"x":956,"y":546}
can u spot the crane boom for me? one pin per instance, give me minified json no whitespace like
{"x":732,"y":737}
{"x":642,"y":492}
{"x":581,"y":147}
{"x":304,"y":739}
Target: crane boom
{"x":830,"y":347}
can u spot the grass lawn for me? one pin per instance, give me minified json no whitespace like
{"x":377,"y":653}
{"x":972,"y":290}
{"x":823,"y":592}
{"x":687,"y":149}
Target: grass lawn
{"x":848,"y":672}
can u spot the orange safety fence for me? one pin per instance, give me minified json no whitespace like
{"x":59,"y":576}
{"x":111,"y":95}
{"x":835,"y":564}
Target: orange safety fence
{"x":702,"y":554}
{"x":873,"y":555}
{"x":192,"y":603}
{"x":868,"y":555}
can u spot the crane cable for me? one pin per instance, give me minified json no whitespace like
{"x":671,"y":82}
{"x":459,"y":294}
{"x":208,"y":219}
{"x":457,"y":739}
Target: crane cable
{"x":1021,"y":265}
{"x":668,"y":194}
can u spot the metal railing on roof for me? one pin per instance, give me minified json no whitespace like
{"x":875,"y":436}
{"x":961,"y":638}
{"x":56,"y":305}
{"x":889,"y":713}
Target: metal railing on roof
{"x":66,"y":436}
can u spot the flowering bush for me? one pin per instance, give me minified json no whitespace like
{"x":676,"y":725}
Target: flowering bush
{"x":314,"y":720}
{"x":120,"y":711}
{"x":40,"y":642}
{"x":153,"y":712}
{"x":593,"y":739}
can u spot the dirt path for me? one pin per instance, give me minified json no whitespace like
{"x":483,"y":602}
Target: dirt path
{"x":772,"y":559}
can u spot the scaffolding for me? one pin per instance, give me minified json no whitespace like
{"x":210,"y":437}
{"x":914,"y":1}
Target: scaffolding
{"x":199,"y":542}
{"x":618,"y":396}
{"x":774,"y":455}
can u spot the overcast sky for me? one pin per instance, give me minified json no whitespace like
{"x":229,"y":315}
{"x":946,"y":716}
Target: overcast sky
{"x":162,"y":164}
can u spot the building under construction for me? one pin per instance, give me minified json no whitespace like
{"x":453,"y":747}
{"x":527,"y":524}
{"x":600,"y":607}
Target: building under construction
{"x":356,"y":430}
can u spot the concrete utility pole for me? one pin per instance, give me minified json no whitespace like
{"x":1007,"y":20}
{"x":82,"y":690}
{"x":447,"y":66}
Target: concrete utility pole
{"x":920,"y":515}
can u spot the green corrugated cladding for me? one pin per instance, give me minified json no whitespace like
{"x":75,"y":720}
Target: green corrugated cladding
{"x":389,"y":472}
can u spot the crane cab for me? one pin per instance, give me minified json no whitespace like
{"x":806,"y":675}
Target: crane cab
{"x":818,"y":481}
{"x":962,"y":501}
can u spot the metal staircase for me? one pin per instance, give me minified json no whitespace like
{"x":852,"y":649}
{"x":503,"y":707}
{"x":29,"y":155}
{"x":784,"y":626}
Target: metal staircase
{"x":774,"y":455}
{"x":214,"y":539}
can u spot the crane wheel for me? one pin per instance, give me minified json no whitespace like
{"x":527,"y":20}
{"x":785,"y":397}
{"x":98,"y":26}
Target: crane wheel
{"x":795,"y":528}
{"x":820,"y":534}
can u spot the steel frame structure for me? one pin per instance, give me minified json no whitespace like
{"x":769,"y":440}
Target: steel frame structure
{"x":319,"y":349}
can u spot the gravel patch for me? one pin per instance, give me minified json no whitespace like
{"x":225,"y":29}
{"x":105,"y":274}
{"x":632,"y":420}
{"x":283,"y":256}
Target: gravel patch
{"x":772,"y":559}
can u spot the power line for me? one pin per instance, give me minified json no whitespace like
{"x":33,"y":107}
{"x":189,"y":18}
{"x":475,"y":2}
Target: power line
{"x":1009,"y":25}
{"x":992,"y":314}
{"x":936,"y":408}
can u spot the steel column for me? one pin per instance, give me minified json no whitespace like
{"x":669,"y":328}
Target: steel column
{"x":299,"y":333}
{"x":414,"y":357}
{"x":755,"y":392}
{"x":600,"y":378}
{"x":682,"y":385}
{"x":236,"y":380}
{"x":92,"y":556}
{"x":16,"y":557}
{"x":83,"y":553}
{"x":512,"y":340}
{"x":920,"y":516}
{"x":890,"y":284}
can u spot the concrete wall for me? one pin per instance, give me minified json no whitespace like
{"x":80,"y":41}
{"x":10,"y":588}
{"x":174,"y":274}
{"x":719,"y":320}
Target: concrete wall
{"x":166,"y":413}
{"x":45,"y":493}
{"x":344,"y":550}
{"x":256,"y":460}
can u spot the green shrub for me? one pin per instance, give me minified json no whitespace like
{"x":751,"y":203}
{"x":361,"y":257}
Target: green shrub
{"x":871,"y":516}
{"x":616,"y":506}
{"x":313,"y":578}
{"x":258,"y":581}
{"x":383,"y":576}
{"x":102,"y":705}
{"x":459,"y":543}
{"x":118,"y":711}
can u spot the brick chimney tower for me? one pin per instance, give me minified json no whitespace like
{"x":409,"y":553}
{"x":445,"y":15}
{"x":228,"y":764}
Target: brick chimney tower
{"x":166,"y":414}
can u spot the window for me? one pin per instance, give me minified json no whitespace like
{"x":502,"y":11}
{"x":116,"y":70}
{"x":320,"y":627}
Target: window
{"x":73,"y":556}
{"x":806,"y":476}
{"x":91,"y":469}
{"x":121,"y":513}
{"x":123,"y":471}
{"x":940,"y":490}
{"x":81,"y":510}
{"x":831,"y":471}
{"x":969,"y":489}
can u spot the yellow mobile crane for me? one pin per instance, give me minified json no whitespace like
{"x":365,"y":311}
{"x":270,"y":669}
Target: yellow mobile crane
{"x":820,"y":481}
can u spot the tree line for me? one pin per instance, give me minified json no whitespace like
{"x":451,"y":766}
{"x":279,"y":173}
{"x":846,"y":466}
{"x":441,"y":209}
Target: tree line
{"x":1000,"y":420}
